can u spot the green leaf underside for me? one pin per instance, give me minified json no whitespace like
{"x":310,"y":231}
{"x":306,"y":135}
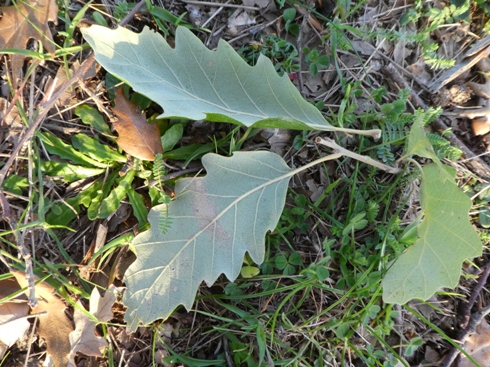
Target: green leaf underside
{"x":446,"y":239}
{"x":191,"y":81}
{"x":216,"y":219}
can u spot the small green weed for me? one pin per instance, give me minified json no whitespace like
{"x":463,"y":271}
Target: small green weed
{"x":289,"y":16}
{"x":288,"y":264}
{"x":315,"y":60}
{"x":436,"y":17}
{"x":283,"y":54}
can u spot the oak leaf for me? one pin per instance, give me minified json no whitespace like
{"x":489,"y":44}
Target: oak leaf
{"x":54,"y":325}
{"x":83,"y":338}
{"x":136,"y":136}
{"x":215,"y":221}
{"x":23,"y":21}
{"x":190,"y":81}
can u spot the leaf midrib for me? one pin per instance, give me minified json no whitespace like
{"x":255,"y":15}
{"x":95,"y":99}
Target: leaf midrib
{"x":291,"y":173}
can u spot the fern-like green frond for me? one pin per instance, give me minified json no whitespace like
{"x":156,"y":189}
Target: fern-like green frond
{"x":159,"y":171}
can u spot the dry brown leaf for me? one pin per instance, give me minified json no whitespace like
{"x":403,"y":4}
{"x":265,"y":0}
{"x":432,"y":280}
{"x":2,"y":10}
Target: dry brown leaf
{"x":13,"y":326}
{"x":136,"y":136}
{"x":83,"y":338}
{"x":54,"y":326}
{"x":478,"y":346}
{"x":26,"y":20}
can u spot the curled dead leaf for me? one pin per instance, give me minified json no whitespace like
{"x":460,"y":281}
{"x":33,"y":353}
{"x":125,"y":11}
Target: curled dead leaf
{"x":137,"y":137}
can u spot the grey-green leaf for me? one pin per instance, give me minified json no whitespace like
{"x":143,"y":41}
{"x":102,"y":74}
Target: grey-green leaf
{"x":216,"y":219}
{"x":446,"y":239}
{"x":191,"y":81}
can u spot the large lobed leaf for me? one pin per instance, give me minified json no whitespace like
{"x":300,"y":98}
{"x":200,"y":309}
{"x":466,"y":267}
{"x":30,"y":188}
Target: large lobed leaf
{"x":191,"y":81}
{"x":215,"y":220}
{"x":446,"y":239}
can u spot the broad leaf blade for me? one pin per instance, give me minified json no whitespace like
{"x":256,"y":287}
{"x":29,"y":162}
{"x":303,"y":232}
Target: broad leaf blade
{"x":191,"y":81}
{"x":215,"y":220}
{"x":446,"y":239}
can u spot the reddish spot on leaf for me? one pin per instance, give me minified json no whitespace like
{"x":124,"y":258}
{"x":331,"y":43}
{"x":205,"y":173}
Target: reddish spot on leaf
{"x":136,"y":136}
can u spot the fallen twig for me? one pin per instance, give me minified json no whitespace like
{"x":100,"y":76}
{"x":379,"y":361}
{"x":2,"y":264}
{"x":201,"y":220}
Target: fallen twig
{"x":362,"y":158}
{"x":208,"y":3}
{"x":466,"y":311}
{"x":478,"y":52}
{"x":470,"y":322}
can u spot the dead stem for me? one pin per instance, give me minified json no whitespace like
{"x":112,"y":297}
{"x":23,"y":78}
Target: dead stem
{"x":362,"y":158}
{"x":375,"y":133}
{"x":209,"y":3}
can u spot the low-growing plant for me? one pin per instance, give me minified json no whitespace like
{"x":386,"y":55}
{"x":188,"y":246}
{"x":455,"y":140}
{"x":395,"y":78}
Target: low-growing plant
{"x":315,"y":60}
{"x":242,"y":197}
{"x":282,"y":53}
{"x":289,"y":16}
{"x":435,"y":17}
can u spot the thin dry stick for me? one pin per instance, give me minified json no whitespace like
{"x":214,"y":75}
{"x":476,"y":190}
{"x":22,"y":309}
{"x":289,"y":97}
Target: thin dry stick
{"x":466,"y":311}
{"x":208,"y":3}
{"x":459,"y":69}
{"x":216,"y":13}
{"x":16,"y":96}
{"x":96,"y":99}
{"x":399,"y":67}
{"x":478,"y":165}
{"x":31,"y":341}
{"x":470,"y":321}
{"x":132,"y":13}
{"x":362,"y":158}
